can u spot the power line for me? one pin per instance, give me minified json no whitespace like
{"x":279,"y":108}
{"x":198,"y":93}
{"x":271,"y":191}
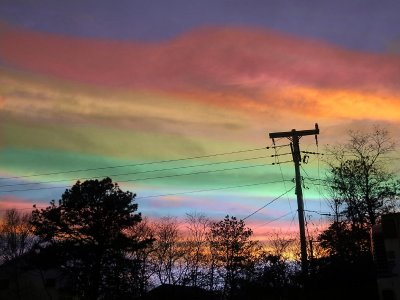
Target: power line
{"x":192,"y":192}
{"x":308,"y":176}
{"x":321,"y":213}
{"x":311,"y":152}
{"x":276,"y":219}
{"x":146,"y":178}
{"x":140,"y":164}
{"x":352,"y":155}
{"x":284,"y":184}
{"x":133,"y":173}
{"x":282,"y":154}
{"x":270,"y":202}
{"x":318,"y":187}
{"x":291,"y":222}
{"x":308,"y":233}
{"x":322,"y":184}
{"x":316,"y":179}
{"x":209,"y":190}
{"x":281,"y":162}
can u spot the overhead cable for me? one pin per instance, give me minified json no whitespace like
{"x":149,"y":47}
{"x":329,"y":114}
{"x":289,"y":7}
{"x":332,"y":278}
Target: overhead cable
{"x":144,"y":179}
{"x":269,"y":203}
{"x":140,"y":164}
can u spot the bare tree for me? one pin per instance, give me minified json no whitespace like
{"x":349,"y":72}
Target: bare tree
{"x":16,"y":237}
{"x":168,"y":260}
{"x":142,"y":270}
{"x":360,"y":184}
{"x":279,"y":262}
{"x":196,"y":254}
{"x":280,"y":245}
{"x":361,"y":188}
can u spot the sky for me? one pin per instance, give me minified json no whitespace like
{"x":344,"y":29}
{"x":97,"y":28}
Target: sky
{"x":174,"y":100}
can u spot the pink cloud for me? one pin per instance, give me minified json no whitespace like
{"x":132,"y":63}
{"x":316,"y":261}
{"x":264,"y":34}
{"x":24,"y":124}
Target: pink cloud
{"x":222,"y":60}
{"x":12,"y":202}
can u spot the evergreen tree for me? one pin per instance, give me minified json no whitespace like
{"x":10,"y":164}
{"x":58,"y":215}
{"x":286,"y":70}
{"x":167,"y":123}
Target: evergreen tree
{"x":87,"y":233}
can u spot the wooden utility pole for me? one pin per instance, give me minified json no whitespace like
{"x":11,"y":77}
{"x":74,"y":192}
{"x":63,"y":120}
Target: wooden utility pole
{"x":294,"y":136}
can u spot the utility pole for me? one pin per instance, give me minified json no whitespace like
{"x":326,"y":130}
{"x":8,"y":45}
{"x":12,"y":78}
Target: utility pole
{"x":294,"y":136}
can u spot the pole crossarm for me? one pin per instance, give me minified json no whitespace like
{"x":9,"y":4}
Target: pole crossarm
{"x":294,"y":133}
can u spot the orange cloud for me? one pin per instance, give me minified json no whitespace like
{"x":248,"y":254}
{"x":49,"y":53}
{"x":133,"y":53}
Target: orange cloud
{"x":259,"y":72}
{"x":345,"y":104}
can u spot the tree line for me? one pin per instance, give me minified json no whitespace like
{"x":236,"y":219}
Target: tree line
{"x":95,"y":234}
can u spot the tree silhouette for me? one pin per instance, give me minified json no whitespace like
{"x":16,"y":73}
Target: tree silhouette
{"x":16,"y":240}
{"x":168,"y":255}
{"x":142,"y":270}
{"x":231,"y":246}
{"x":361,"y":187}
{"x":16,"y":236}
{"x":196,"y":256}
{"x":87,"y":231}
{"x":344,"y":242}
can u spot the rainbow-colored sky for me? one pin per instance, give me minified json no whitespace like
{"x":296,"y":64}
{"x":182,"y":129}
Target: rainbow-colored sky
{"x":106,"y":88}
